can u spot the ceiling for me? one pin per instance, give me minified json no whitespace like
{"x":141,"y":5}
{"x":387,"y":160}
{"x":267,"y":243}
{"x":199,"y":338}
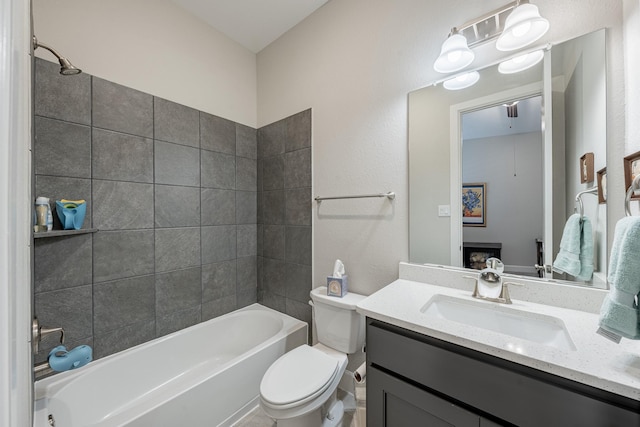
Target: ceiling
{"x":493,"y":121}
{"x":252,"y":23}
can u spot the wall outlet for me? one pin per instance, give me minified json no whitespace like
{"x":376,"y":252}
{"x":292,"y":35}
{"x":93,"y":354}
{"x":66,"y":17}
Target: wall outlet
{"x":444,"y":210}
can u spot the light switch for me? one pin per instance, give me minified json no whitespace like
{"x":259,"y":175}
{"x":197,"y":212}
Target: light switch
{"x":444,"y":210}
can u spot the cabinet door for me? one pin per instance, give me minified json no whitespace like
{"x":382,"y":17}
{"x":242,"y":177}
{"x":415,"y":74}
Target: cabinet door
{"x":392,"y":402}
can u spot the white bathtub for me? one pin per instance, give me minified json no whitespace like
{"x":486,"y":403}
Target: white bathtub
{"x":205,"y":375}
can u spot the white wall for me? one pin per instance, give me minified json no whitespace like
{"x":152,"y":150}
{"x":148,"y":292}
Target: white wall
{"x":353,"y":62}
{"x":511,"y":166}
{"x":153,"y":46}
{"x":632,"y":91}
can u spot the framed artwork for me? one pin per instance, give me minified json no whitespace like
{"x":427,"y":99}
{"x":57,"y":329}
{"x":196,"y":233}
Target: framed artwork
{"x":631,"y":170}
{"x":474,"y":205}
{"x":602,"y":185}
{"x":586,"y":168}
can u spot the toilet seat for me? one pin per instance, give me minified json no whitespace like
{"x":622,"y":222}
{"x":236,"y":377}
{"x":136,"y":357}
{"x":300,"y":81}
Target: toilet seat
{"x":298,"y":377}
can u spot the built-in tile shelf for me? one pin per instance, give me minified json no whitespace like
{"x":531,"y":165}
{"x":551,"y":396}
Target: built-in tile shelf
{"x":60,"y":233}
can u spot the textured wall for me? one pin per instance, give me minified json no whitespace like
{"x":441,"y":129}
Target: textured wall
{"x":173,"y":192}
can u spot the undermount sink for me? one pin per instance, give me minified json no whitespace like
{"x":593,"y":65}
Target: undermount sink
{"x":537,"y":328}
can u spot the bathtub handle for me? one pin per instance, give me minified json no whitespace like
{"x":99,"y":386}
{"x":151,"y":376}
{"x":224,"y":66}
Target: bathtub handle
{"x":38,"y":332}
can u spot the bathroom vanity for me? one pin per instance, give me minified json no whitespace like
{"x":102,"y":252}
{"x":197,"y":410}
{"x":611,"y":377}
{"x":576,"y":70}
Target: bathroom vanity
{"x":428,"y":364}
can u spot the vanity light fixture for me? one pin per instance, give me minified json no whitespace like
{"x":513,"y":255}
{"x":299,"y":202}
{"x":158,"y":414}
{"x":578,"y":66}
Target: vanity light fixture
{"x":523,"y":26}
{"x":521,"y":62}
{"x":454,"y":55}
{"x":462,"y":81}
{"x":515,"y":25}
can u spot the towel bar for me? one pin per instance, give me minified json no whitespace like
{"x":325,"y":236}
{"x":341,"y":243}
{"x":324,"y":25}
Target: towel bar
{"x":592,"y":190}
{"x":390,"y":195}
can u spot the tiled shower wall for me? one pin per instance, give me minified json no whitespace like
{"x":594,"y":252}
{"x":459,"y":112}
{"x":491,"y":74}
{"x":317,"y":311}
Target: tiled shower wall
{"x":284,"y":215}
{"x":174,"y":194}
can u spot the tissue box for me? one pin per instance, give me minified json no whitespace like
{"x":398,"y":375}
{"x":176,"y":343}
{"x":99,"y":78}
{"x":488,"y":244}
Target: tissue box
{"x":337,"y":286}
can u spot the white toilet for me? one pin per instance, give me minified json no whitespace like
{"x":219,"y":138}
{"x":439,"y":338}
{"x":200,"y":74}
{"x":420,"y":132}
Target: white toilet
{"x":299,"y":389}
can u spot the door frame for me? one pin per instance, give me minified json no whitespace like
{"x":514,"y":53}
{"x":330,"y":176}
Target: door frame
{"x":455,"y":155}
{"x":16,"y":361}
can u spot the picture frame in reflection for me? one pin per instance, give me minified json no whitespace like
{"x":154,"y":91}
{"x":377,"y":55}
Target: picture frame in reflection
{"x":586,"y":168}
{"x":474,"y":205}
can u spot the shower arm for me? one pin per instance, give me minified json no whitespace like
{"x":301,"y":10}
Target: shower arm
{"x":37,"y":44}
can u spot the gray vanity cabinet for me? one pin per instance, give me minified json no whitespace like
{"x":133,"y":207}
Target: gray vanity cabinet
{"x":416,"y":380}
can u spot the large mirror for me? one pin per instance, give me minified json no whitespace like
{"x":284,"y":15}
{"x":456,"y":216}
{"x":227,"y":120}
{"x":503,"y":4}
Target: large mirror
{"x":526,"y":145}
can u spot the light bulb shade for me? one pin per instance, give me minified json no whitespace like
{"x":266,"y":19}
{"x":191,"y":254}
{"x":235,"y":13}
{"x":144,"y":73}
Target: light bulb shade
{"x":454,"y":55}
{"x":522,"y":27}
{"x":521,"y":63}
{"x":463,"y":81}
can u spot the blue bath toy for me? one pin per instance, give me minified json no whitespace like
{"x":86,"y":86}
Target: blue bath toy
{"x":62,"y":360}
{"x":71,"y":213}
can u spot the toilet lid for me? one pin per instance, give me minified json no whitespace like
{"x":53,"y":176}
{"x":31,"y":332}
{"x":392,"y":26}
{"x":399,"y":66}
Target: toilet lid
{"x":299,"y":374}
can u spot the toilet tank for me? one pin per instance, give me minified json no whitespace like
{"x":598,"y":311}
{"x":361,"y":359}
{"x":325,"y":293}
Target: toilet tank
{"x":338,"y":324}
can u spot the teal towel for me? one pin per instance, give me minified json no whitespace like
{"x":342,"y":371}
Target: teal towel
{"x":586,"y":251}
{"x":619,"y":312}
{"x":568,"y":259}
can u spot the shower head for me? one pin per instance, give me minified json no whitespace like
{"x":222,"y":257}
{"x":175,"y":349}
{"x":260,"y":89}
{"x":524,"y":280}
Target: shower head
{"x":66,"y":67}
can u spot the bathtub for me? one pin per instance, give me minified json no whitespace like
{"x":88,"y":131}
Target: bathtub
{"x":205,"y":375}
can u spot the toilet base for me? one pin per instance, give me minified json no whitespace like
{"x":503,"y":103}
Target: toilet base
{"x":330,"y":414}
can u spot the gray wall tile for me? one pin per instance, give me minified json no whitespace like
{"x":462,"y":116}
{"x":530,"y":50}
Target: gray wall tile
{"x":245,"y":298}
{"x":70,"y":309}
{"x":218,"y":280}
{"x":177,"y":248}
{"x":218,"y":307}
{"x":273,"y":244}
{"x":177,"y":290}
{"x":299,"y":310}
{"x":121,"y":157}
{"x":271,"y":300}
{"x":123,"y":302}
{"x":298,"y":281}
{"x":122,"y":205}
{"x":247,"y":275}
{"x":120,"y":254}
{"x":260,"y":239}
{"x":246,"y":141}
{"x":62,"y":148}
{"x":176,"y":164}
{"x":218,"y":243}
{"x":57,"y":188}
{"x":247,"y":240}
{"x":177,"y":206}
{"x":274,"y":276}
{"x":123,"y":338}
{"x":297,"y":247}
{"x":176,"y":123}
{"x":63,"y":262}
{"x":246,"y":174}
{"x":273,"y":207}
{"x":298,"y":206}
{"x":217,"y":134}
{"x":61,"y":97}
{"x":298,"y":131}
{"x":273,"y":173}
{"x":271,"y":139}
{"x":122,"y":109}
{"x":218,"y":170}
{"x":218,"y":206}
{"x":246,"y":207}
{"x":179,"y":320}
{"x":297,"y":169}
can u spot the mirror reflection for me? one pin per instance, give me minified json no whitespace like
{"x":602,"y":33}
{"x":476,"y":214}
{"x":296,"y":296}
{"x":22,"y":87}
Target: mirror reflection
{"x":515,"y":145}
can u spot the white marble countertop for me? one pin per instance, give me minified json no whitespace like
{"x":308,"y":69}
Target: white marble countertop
{"x":596,"y":361}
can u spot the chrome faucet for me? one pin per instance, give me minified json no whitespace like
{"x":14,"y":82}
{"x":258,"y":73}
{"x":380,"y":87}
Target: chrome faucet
{"x":492,"y":276}
{"x":37,"y":334}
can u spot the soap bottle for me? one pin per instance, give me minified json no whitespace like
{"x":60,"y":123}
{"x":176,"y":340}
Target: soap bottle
{"x":44,"y":217}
